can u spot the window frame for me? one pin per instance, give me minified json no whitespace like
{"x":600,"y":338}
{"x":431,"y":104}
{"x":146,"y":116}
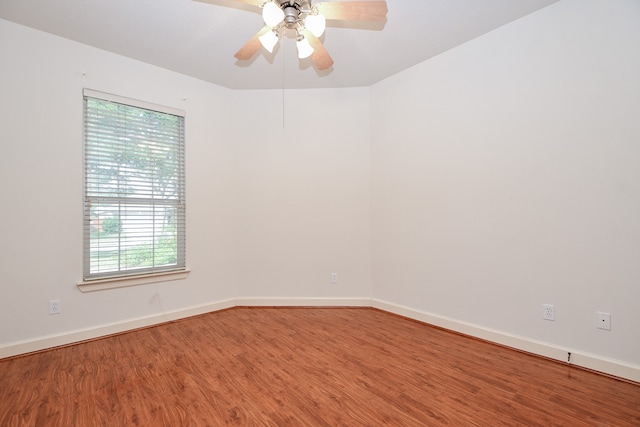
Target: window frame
{"x":124,"y":276}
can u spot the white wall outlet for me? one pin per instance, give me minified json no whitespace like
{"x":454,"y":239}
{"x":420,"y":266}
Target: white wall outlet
{"x":54,"y":306}
{"x":334,"y":278}
{"x":548,"y":312}
{"x":604,"y":320}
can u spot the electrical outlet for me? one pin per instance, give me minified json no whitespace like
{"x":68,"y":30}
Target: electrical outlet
{"x":54,"y":306}
{"x":604,"y":321}
{"x":334,"y":278}
{"x":548,"y":312}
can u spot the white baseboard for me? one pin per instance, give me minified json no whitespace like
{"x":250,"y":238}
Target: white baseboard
{"x":303,"y":302}
{"x":590,"y":361}
{"x":597,"y":363}
{"x":50,"y":341}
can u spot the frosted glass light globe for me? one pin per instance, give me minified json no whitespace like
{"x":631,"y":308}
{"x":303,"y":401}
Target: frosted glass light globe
{"x":316,"y":24}
{"x":268,"y":40}
{"x":272,"y":14}
{"x":304,"y":48}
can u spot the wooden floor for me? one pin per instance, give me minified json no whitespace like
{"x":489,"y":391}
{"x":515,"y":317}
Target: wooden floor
{"x":304,"y":367}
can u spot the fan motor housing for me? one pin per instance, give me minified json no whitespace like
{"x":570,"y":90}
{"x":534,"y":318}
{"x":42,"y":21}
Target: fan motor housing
{"x":291,"y":15}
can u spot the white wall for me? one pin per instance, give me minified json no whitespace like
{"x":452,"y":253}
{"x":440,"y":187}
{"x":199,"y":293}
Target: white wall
{"x":41,"y":81}
{"x":506,"y":174}
{"x":305,"y":205}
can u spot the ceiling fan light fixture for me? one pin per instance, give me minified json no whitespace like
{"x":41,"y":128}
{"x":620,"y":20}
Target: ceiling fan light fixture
{"x":304,"y":48}
{"x":308,"y":19}
{"x":269,"y":40}
{"x":316,"y":24}
{"x":272,"y":14}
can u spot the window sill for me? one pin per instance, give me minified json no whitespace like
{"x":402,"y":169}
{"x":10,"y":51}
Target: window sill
{"x":123,"y":282}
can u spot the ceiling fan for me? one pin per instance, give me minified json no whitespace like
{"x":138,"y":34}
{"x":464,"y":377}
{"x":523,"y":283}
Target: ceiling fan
{"x":308,"y":19}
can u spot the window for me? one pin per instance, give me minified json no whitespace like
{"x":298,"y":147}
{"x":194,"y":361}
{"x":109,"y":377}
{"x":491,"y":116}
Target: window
{"x":134,"y":188}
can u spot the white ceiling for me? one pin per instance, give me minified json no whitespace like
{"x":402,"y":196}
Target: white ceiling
{"x":199,"y":39}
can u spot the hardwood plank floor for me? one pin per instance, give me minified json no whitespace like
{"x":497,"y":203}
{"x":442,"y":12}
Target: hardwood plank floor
{"x":304,"y":367}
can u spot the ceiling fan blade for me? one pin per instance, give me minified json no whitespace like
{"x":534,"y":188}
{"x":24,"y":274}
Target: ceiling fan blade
{"x":354,"y":11}
{"x":252,"y":46}
{"x":320,"y":56}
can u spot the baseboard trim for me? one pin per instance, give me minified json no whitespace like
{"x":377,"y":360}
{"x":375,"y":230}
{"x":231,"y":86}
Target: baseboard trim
{"x":303,"y":302}
{"x":581,"y":359}
{"x":606,"y":366}
{"x":51,"y":341}
{"x":67,"y":338}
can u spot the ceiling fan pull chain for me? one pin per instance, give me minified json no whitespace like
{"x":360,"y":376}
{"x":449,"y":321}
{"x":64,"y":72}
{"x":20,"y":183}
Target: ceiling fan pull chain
{"x":283,"y":80}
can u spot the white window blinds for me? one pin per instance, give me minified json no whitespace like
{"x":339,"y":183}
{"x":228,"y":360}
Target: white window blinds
{"x":134,"y":188}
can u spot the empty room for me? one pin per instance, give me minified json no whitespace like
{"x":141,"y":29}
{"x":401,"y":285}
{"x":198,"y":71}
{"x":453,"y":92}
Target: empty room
{"x":340,"y":213}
